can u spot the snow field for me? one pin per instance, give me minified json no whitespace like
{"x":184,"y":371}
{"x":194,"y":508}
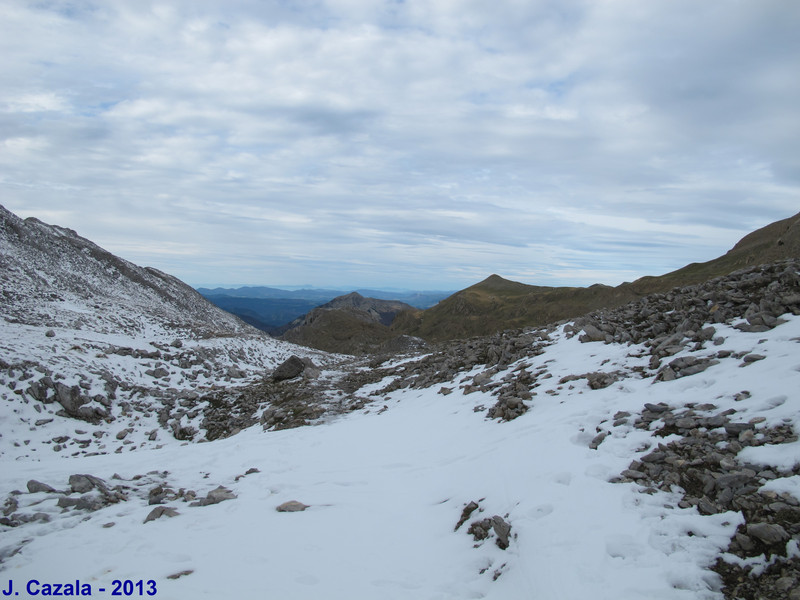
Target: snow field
{"x":386,"y":490}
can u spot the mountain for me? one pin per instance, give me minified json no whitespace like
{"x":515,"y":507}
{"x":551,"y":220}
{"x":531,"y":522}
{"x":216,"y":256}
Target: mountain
{"x":271,"y":309}
{"x":86,"y":336}
{"x":263,"y":292}
{"x":53,"y":277}
{"x":417,"y":299}
{"x":266,"y":314}
{"x":496,"y":304}
{"x":350,"y":324}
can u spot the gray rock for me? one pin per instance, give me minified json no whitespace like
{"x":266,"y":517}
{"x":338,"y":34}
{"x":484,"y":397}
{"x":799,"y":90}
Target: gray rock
{"x":502,"y":530}
{"x":37,"y":486}
{"x":751,"y":358}
{"x":160,"y":511}
{"x":466,"y":513}
{"x":592,"y":334}
{"x":737,"y":428}
{"x":768,"y":533}
{"x":215,"y":496}
{"x":291,"y":506}
{"x":745,"y":543}
{"x":289,"y":369}
{"x":598,"y":380}
{"x":598,"y":439}
{"x":81,"y":484}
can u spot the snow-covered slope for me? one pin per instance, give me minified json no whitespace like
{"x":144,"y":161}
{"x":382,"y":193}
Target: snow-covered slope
{"x":93,"y":347}
{"x":632,"y":468}
{"x":53,"y":277}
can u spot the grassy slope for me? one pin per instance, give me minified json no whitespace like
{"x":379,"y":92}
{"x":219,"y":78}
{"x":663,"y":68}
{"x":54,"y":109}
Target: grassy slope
{"x":496,"y":304}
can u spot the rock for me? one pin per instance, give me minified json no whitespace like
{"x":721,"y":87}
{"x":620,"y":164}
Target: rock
{"x":785,"y":584}
{"x":598,"y":439}
{"x":37,"y":486}
{"x":592,"y":334}
{"x":157,"y":495}
{"x":507,"y":409}
{"x":737,"y":428}
{"x":180,"y":574}
{"x":745,"y":543}
{"x":706,"y":507}
{"x":160,"y":511}
{"x":654,"y":457}
{"x":502,"y":530}
{"x":50,"y":333}
{"x":769,"y":534}
{"x":81,"y":484}
{"x":215,"y":496}
{"x":466,"y":513}
{"x":479,"y":530}
{"x":751,"y":358}
{"x":291,"y":506}
{"x":289,"y":369}
{"x":598,"y":381}
{"x":90,"y":502}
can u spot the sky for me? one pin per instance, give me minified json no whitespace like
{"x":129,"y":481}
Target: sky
{"x":402,"y":143}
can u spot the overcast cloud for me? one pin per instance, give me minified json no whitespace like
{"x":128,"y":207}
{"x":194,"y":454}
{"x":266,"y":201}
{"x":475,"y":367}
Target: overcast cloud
{"x":422,"y":144}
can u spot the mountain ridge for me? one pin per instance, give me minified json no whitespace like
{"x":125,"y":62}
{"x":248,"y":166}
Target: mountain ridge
{"x":51,"y":274}
{"x":496,"y":303}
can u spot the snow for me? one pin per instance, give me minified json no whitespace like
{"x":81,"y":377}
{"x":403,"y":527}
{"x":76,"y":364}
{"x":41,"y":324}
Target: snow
{"x":387,"y":487}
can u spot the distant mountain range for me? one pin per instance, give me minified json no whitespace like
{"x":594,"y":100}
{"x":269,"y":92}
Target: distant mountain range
{"x":492,"y":305}
{"x":272,"y":309}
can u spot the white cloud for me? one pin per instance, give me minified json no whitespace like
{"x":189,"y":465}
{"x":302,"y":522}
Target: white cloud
{"x":426,"y":141}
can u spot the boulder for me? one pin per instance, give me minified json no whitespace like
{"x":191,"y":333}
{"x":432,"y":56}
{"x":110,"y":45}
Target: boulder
{"x":289,"y":369}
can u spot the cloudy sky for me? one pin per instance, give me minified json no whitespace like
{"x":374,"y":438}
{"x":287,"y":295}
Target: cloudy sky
{"x":409,"y":143}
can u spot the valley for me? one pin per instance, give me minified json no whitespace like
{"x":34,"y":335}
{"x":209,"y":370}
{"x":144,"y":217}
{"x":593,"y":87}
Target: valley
{"x":642,"y":443}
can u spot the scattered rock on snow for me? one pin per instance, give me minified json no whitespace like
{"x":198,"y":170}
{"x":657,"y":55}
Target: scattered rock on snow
{"x":160,"y":511}
{"x":215,"y":496}
{"x":291,"y":506}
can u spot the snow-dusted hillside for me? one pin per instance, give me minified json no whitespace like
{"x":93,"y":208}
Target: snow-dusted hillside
{"x":93,"y":347}
{"x":53,"y":277}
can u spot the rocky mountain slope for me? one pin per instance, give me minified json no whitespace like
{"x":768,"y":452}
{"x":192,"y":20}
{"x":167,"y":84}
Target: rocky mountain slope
{"x":350,"y":324}
{"x":88,"y":336}
{"x":496,"y":303}
{"x":51,"y":276}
